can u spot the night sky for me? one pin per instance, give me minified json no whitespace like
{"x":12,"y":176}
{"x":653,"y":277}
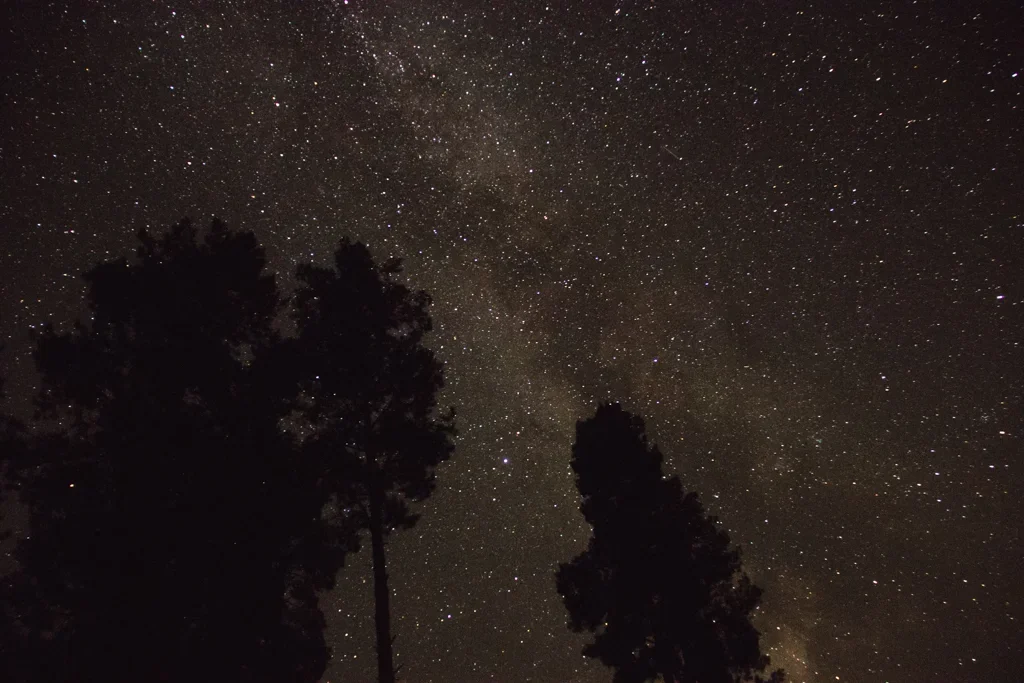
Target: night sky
{"x":788,"y":234}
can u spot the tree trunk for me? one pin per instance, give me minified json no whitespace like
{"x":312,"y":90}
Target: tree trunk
{"x":381,"y":595}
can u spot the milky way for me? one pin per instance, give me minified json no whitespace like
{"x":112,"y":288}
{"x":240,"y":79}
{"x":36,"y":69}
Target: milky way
{"x":788,"y":234}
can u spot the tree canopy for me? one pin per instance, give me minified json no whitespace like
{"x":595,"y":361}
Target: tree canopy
{"x":168,"y":508}
{"x":195,"y":478}
{"x":369,"y":394}
{"x":659,"y":585}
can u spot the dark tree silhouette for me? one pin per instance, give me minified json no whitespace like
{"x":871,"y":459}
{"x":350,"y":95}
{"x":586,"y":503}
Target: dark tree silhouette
{"x":176,"y":533}
{"x":369,"y":392}
{"x":12,"y":443}
{"x":13,"y":641}
{"x":658,"y":586}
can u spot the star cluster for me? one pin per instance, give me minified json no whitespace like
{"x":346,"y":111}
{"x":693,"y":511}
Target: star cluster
{"x":788,"y":234}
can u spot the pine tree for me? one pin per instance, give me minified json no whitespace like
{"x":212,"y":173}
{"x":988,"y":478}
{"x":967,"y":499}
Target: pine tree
{"x":369,"y":394}
{"x":659,"y":585}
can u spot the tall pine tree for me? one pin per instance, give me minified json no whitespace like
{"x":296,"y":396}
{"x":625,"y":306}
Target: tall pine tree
{"x":369,"y":393}
{"x":659,"y":585}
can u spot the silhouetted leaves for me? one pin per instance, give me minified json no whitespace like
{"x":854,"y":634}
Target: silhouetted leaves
{"x":369,"y":390}
{"x":658,"y":585}
{"x":172,"y":518}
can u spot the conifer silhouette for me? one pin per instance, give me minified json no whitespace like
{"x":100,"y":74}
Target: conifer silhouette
{"x":369,"y":393}
{"x":658,"y":585}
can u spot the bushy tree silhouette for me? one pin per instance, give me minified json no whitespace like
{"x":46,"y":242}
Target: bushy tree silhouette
{"x":176,"y":531}
{"x":369,"y":393}
{"x":658,"y":585}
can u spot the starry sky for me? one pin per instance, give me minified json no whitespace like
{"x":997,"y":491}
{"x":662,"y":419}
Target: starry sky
{"x":789,"y":234}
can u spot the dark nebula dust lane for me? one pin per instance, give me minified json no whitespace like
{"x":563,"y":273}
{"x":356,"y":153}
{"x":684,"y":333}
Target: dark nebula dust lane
{"x":788,"y":234}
